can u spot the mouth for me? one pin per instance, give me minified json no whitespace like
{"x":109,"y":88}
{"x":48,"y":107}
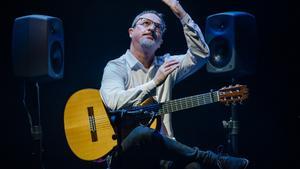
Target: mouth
{"x":149,"y":36}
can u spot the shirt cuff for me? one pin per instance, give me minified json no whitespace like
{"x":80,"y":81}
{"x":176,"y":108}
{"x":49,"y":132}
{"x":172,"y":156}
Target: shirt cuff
{"x":149,"y":86}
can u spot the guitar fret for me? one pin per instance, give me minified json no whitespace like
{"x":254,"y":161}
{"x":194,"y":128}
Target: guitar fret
{"x":208,"y":100}
{"x":186,"y":103}
{"x":192,"y":103}
{"x":211,"y":98}
{"x":180,"y":106}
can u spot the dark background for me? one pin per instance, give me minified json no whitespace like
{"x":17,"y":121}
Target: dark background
{"x":96,"y":32}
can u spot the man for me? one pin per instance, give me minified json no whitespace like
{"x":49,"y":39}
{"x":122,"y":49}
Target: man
{"x":139,"y":74}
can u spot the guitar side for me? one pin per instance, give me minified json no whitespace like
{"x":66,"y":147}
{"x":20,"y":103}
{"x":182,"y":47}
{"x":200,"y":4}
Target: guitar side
{"x":87,"y":126}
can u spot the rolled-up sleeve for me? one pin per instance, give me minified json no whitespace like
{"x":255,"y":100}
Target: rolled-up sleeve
{"x":113,"y":90}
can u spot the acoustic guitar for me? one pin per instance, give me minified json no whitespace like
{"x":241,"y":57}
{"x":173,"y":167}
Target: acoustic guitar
{"x":90,"y":132}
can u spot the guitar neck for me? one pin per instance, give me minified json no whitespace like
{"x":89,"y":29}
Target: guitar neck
{"x":188,"y":102}
{"x":179,"y":104}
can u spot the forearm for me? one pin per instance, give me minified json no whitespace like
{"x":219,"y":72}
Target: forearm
{"x":194,"y":38}
{"x":116,"y":97}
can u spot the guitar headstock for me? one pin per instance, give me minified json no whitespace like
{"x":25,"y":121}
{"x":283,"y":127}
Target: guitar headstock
{"x":233,"y":94}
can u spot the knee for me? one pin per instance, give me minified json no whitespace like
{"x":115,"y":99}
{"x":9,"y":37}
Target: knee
{"x":140,"y":135}
{"x":142,"y":132}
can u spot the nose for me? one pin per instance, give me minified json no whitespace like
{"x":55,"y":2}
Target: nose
{"x":152,"y":26}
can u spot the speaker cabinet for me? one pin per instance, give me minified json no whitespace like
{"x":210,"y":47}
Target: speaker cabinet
{"x":231,"y":37}
{"x":38,"y":47}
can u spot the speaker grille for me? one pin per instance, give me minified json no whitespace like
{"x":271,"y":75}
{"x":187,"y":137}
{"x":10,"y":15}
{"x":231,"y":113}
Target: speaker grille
{"x":220,"y":52}
{"x":56,"y":57}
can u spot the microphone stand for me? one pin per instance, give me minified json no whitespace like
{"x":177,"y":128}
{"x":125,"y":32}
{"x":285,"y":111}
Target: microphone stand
{"x":232,"y":128}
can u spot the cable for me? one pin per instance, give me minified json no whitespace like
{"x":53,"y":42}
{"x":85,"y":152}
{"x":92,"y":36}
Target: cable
{"x":39,"y":125}
{"x":36,"y":130}
{"x":25,"y":106}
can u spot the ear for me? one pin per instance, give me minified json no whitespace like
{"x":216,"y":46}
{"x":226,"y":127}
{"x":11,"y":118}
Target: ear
{"x":130,"y":31}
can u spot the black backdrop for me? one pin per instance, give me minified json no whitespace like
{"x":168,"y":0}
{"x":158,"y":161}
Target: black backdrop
{"x":96,"y":32}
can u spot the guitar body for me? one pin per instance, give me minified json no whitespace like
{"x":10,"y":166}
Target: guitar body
{"x":88,"y":128}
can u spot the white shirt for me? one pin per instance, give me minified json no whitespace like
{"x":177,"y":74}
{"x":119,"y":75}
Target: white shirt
{"x":126,"y":82}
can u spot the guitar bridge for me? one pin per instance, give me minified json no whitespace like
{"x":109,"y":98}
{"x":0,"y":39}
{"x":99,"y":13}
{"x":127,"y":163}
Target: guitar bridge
{"x":92,"y":123}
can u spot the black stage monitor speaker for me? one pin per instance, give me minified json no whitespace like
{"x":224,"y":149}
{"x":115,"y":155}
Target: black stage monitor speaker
{"x":38,"y":47}
{"x":231,"y":37}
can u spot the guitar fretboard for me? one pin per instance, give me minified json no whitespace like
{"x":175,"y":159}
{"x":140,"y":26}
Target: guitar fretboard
{"x":180,"y":104}
{"x":188,"y":102}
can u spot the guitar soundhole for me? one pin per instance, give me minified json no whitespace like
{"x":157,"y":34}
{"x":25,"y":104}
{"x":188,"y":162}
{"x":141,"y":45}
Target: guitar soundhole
{"x":92,"y":123}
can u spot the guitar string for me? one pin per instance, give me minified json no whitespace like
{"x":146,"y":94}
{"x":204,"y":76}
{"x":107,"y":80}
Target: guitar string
{"x":192,"y":101}
{"x":189,"y":102}
{"x":180,"y":104}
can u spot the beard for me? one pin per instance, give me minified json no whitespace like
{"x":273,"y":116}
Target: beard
{"x":147,"y":43}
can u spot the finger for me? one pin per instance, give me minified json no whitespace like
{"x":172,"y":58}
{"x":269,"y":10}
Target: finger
{"x":171,"y":69}
{"x":170,"y":63}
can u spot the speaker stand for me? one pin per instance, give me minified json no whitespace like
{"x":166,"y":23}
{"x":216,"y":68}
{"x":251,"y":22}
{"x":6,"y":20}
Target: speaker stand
{"x":36,"y":130}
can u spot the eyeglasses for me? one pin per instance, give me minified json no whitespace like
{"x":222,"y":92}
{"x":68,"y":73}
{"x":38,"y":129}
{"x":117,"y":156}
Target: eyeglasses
{"x":148,"y":23}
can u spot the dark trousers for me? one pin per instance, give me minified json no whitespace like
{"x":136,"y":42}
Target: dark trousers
{"x":144,"y":148}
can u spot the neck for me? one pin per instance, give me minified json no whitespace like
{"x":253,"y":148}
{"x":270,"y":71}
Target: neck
{"x":145,"y":56}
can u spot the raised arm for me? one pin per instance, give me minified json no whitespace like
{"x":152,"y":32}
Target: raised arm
{"x":198,"y":51}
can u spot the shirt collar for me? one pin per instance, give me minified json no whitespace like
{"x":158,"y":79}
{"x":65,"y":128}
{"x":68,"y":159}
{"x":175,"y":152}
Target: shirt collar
{"x":133,"y":61}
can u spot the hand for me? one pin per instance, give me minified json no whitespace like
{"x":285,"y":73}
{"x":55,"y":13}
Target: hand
{"x":164,"y":70}
{"x":176,"y":8}
{"x":170,"y":3}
